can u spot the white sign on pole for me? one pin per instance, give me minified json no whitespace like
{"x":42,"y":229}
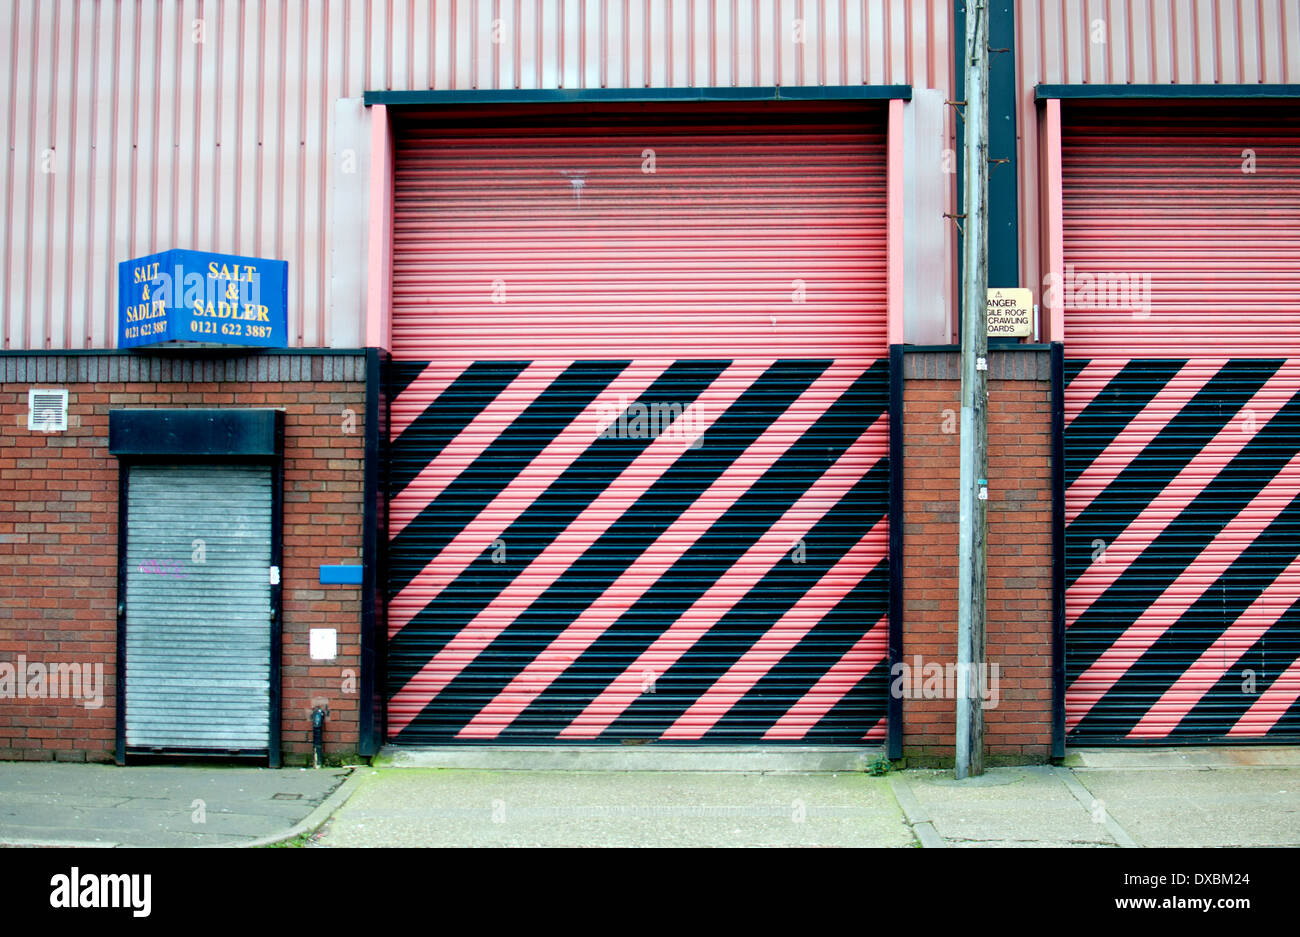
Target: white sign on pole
{"x":1010,"y":313}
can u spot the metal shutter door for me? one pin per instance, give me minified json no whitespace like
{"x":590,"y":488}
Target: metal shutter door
{"x":1182,"y":313}
{"x":198,"y":635}
{"x":638,"y":471}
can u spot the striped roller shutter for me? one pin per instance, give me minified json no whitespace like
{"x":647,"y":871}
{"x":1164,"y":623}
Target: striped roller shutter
{"x":1182,"y":439}
{"x":638,"y":470}
{"x":198,"y":615}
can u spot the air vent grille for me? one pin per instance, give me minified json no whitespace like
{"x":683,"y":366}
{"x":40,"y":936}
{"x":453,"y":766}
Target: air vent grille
{"x":47,"y":410}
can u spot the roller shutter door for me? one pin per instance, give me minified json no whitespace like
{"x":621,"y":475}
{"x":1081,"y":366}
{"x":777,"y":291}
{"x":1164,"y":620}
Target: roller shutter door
{"x":1182,"y":439}
{"x":198,"y":624}
{"x":638,"y":467}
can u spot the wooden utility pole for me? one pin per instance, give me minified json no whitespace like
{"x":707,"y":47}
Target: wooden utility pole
{"x":974,"y":398}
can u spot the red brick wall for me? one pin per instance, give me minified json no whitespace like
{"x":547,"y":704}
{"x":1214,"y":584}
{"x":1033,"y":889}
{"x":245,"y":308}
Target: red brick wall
{"x":58,"y":551}
{"x":1019,"y":589}
{"x":930,"y":445}
{"x":1019,"y":594}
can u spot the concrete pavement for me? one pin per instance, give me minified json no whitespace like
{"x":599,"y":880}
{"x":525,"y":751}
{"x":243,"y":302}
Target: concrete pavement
{"x":1099,"y":799}
{"x":458,"y":807}
{"x":1013,"y":807}
{"x":56,"y":803}
{"x":1107,"y":799}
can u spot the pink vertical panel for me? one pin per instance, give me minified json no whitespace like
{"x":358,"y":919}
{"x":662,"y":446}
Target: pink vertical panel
{"x":223,"y":33}
{"x":1055,"y":240}
{"x":9,"y":313}
{"x":75,"y":248}
{"x":314,"y":157}
{"x":894,"y":182}
{"x":380,"y":237}
{"x":248,"y":30}
{"x":1029,"y":126}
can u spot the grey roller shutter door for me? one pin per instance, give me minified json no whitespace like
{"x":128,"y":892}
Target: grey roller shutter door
{"x":198,"y":634}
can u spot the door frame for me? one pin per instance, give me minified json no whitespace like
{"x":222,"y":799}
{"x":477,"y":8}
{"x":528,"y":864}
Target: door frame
{"x":389,"y":109}
{"x":183,"y":436}
{"x":1051,"y":248}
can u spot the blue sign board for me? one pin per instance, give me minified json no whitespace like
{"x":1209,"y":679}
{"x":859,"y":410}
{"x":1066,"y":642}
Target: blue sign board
{"x":196,"y":296}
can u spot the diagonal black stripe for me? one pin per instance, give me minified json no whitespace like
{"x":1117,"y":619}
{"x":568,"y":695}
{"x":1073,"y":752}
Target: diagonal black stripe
{"x":781,"y":587}
{"x":1198,"y":628}
{"x":1073,"y":367}
{"x":440,"y":423}
{"x":1106,"y":415}
{"x":508,"y":455}
{"x":1241,"y":685}
{"x":719,"y":548}
{"x":1288,"y":726}
{"x":819,"y":650}
{"x":536,"y":528}
{"x":1168,"y":453}
{"x":401,"y":374}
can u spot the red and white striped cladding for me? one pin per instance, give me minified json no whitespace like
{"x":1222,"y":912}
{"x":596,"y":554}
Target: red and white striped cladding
{"x":1180,"y":231}
{"x":721,"y":233}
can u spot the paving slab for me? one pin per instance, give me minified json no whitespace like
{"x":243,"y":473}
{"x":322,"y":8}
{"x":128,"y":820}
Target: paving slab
{"x":1010,"y":807}
{"x":454,"y":807}
{"x":57,"y":802}
{"x":1210,"y":756}
{"x":1201,"y":807}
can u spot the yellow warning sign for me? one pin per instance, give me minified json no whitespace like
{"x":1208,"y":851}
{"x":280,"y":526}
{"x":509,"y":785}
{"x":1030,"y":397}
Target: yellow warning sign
{"x":1010,"y":313}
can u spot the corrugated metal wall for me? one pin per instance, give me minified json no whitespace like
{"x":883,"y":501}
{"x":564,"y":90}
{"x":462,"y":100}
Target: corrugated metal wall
{"x":139,"y":125}
{"x":128,"y":134}
{"x":1139,"y":42}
